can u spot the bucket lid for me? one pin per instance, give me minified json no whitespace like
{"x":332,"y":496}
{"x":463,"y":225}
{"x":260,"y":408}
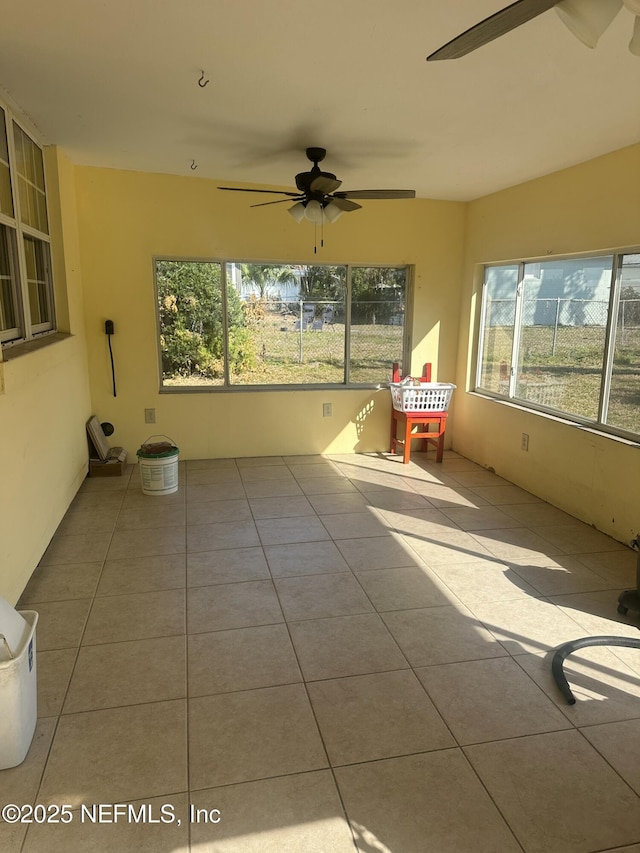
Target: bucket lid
{"x":159,"y":450}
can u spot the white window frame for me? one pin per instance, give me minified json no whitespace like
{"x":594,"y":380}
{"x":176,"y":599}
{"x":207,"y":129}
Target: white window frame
{"x":27,"y":327}
{"x":600,"y":422}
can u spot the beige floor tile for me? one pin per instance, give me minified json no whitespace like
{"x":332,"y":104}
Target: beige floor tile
{"x":272,"y":488}
{"x":564,"y":575}
{"x":304,"y":558}
{"x":516,"y":545}
{"x":234,"y":605}
{"x":484,"y":581}
{"x":326,"y":485}
{"x":252,"y":473}
{"x":135,"y":497}
{"x":404,"y":588}
{"x":219,"y":536}
{"x":436,"y":635}
{"x":61,"y":582}
{"x":616,"y":743}
{"x":527,"y":625}
{"x":557,"y":793}
{"x":212,"y":512}
{"x":138,"y":616}
{"x":61,"y":623}
{"x":241,"y":737}
{"x":300,"y":813}
{"x":258,"y":461}
{"x":211,"y":464}
{"x":420,"y":803}
{"x":12,"y":835}
{"x":485,"y":700}
{"x":145,"y":829}
{"x":480,"y":518}
{"x":472,"y":479}
{"x":89,"y":519}
{"x":368,"y":717}
{"x":345,"y":645}
{"x":394,"y":500}
{"x":423,"y":522}
{"x":142,"y":574}
{"x":241,"y":659}
{"x":130,"y":673}
{"x":117,"y":754}
{"x":536,"y":514}
{"x":578,"y":538}
{"x":356,"y":525}
{"x":449,"y":495}
{"x":307,"y":459}
{"x":378,"y":552}
{"x":446,"y":546}
{"x":147,"y":543}
{"x":337,"y":504}
{"x":320,"y":595}
{"x":79,"y":548}
{"x":324,"y":468}
{"x":206,"y":492}
{"x":281,"y":507}
{"x":505,"y":495}
{"x":204,"y":476}
{"x":151,"y":516}
{"x":617,"y":566}
{"x":19,"y":785}
{"x":597,"y":613}
{"x":230,"y":566}
{"x":280,"y":531}
{"x":54,"y":674}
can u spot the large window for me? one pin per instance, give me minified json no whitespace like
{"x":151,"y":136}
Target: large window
{"x":26,"y":289}
{"x":231,"y":324}
{"x":564,"y":335}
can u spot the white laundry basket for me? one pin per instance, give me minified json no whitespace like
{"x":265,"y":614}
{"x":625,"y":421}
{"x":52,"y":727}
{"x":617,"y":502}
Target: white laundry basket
{"x":158,"y":466}
{"x":18,"y":683}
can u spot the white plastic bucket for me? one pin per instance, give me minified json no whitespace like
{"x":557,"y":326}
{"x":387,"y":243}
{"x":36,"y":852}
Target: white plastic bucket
{"x":158,"y":467}
{"x":18,"y":693}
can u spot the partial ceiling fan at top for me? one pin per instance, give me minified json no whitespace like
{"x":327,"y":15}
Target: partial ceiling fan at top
{"x":587,"y":20}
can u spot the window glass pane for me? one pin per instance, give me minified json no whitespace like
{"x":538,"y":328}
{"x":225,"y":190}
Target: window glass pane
{"x":6,"y":202}
{"x":624,"y":396}
{"x":191,"y":326}
{"x":500,"y":289}
{"x":286,"y":324}
{"x":30,"y":169}
{"x":8,"y":307}
{"x":377,"y":322}
{"x":563,"y":332}
{"x":38,"y":281}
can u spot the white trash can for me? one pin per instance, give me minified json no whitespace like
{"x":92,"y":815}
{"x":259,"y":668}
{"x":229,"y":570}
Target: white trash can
{"x":158,"y":466}
{"x":18,"y":683}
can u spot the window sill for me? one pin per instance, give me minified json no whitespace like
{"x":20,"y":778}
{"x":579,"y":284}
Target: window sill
{"x":11,"y":351}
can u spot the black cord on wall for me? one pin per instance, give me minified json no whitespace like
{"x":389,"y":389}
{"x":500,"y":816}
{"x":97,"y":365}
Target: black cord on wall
{"x":109,"y":329}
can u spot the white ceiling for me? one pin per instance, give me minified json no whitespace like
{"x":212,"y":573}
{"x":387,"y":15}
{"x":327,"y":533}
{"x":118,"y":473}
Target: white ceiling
{"x":115,"y":83}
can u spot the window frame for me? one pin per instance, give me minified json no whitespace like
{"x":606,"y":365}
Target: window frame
{"x":20,"y":285}
{"x":229,"y":388}
{"x":597,"y":424}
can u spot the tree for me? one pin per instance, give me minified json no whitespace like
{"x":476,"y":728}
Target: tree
{"x":191,"y":321}
{"x":376,"y":293}
{"x":265,"y":276}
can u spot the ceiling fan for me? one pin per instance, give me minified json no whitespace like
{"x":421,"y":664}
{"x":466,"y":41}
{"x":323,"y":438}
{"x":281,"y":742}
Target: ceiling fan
{"x":318,"y":198}
{"x":587,"y":20}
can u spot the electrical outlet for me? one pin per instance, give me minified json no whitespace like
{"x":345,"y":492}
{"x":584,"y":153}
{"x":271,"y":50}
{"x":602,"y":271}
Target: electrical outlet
{"x":524,"y":441}
{"x":149,"y":416}
{"x":327,"y":410}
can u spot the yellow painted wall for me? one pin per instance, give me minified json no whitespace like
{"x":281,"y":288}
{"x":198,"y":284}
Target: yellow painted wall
{"x":127,"y":218}
{"x":43,"y":408}
{"x":591,"y":207}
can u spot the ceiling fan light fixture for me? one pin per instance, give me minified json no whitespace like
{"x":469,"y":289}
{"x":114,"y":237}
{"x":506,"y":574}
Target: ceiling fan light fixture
{"x":332,"y":212}
{"x":588,"y":19}
{"x":634,"y":44}
{"x":313,"y":211}
{"x":297,"y":211}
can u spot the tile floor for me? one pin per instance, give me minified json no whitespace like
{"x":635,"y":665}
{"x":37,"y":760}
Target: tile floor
{"x":333,"y":654}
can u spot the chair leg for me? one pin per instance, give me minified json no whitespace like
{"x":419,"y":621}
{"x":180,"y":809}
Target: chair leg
{"x":407,"y":442}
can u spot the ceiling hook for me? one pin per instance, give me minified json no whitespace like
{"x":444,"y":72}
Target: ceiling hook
{"x":193,"y":165}
{"x":200,"y":81}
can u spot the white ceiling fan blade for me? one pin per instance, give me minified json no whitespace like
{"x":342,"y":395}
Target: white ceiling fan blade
{"x":588,"y":19}
{"x":634,"y":44}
